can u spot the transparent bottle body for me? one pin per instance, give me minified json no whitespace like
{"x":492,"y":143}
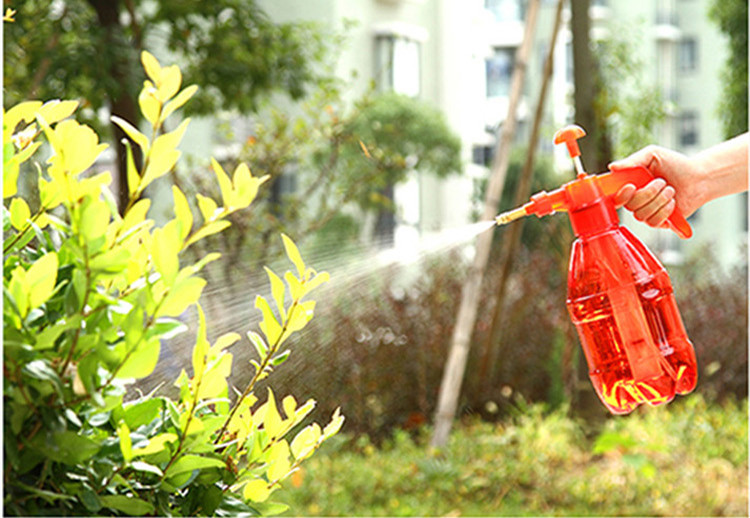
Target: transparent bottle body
{"x":620,"y":299}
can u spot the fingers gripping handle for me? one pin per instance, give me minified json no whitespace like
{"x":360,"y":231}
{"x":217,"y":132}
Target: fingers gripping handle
{"x":639,"y":176}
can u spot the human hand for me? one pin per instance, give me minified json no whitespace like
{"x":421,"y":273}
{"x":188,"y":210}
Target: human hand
{"x":675,"y":186}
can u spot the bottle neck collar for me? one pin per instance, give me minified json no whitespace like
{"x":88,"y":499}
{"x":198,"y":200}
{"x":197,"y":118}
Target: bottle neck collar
{"x":594,"y":218}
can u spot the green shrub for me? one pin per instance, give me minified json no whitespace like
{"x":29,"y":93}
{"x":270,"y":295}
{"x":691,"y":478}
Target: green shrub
{"x":713,"y":304}
{"x":89,"y":297}
{"x":685,"y":459}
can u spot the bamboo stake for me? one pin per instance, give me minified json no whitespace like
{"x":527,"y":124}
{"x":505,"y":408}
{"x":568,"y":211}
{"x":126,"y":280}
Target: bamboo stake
{"x":450,"y":386}
{"x":512,"y":235}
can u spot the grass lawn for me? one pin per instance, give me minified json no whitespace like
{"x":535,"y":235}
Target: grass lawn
{"x":688,"y":458}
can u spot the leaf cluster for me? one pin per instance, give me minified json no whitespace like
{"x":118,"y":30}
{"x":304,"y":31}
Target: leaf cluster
{"x":89,"y":297}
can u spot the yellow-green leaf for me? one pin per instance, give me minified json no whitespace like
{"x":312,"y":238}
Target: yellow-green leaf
{"x":127,"y":505}
{"x":150,"y":106}
{"x":91,"y":186}
{"x":278,"y":457}
{"x":201,"y":347}
{"x":304,"y":442}
{"x":169,"y":85}
{"x":296,"y":289}
{"x":193,"y":462}
{"x":142,"y":360}
{"x":211,"y":228}
{"x":41,"y":279}
{"x":225,"y":184}
{"x":114,"y":260}
{"x":176,"y":103}
{"x":182,"y":212}
{"x":126,"y":444}
{"x":214,"y":383}
{"x":50,"y":193}
{"x":76,"y":147}
{"x":165,"y":249}
{"x":132,"y":132}
{"x":163,"y":155}
{"x":207,"y":207}
{"x":19,"y":288}
{"x":277,"y":290}
{"x":180,"y":296}
{"x":192,"y":427}
{"x":56,"y":110}
{"x":316,"y":281}
{"x":94,"y":219}
{"x":337,"y":420}
{"x":151,"y":66}
{"x":301,"y":315}
{"x":245,"y":185}
{"x":11,"y":170}
{"x":272,"y":421}
{"x":256,"y":490}
{"x":303,"y":411}
{"x":136,"y":214}
{"x":133,"y":178}
{"x":293,"y":254}
{"x":223,"y":342}
{"x":25,"y":111}
{"x":155,"y":444}
{"x":19,"y":213}
{"x":269,"y":325}
{"x":289,"y":404}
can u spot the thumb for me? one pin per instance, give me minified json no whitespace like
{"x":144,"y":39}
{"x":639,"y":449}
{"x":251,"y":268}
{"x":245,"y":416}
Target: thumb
{"x":643,"y":157}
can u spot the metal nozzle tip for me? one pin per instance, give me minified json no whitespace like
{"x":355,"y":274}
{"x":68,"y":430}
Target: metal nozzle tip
{"x":511,"y":215}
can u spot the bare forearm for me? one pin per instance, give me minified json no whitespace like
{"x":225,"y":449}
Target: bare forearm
{"x":723,"y":168}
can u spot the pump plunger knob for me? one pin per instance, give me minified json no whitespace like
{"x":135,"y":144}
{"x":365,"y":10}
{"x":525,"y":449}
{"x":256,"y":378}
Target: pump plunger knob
{"x":570,"y":135}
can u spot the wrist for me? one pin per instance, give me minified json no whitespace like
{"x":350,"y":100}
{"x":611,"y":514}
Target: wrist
{"x":721,"y":170}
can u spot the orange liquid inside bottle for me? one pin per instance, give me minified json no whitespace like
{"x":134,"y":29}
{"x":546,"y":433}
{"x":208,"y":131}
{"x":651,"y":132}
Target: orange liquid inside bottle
{"x":621,"y":301}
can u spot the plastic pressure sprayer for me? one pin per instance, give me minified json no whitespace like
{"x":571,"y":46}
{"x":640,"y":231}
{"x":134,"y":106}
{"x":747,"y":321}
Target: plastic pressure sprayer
{"x":620,"y":297}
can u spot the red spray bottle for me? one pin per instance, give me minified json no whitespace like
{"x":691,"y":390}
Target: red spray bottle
{"x":620,"y":297}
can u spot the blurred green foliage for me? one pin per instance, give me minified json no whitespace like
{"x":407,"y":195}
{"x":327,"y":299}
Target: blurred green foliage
{"x":731,"y":17}
{"x":70,"y":48}
{"x":685,"y":459}
{"x":627,"y":104}
{"x":329,"y":161}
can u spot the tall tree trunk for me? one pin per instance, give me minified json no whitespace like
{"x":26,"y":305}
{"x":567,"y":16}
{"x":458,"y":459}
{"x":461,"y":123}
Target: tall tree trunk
{"x":584,"y":79}
{"x":123,"y":99}
{"x":596,"y":150}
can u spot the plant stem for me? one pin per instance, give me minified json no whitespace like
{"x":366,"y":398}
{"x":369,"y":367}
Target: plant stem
{"x":25,"y":229}
{"x":258,"y":372}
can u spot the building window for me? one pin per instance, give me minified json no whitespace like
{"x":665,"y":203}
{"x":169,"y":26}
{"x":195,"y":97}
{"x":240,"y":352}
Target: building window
{"x":499,"y":71}
{"x":506,"y":10}
{"x":569,"y":62}
{"x":687,"y":130}
{"x":482,"y":155}
{"x":397,"y":61}
{"x":687,"y":55}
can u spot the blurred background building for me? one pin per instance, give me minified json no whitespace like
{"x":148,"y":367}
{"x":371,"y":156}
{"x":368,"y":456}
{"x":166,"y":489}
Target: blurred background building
{"x":460,"y":57}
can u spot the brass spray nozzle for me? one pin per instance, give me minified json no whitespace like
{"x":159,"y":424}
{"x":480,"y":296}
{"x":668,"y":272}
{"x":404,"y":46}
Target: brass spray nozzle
{"x":511,"y":215}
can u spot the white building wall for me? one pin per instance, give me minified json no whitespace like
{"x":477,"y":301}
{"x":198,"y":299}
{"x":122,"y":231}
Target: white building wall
{"x":456,"y":37}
